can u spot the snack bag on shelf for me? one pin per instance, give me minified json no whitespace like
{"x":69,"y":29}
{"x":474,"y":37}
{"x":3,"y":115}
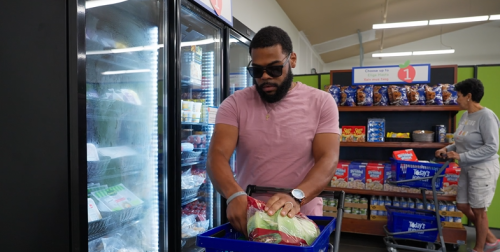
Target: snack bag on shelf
{"x":348,"y":96}
{"x":380,"y":96}
{"x":364,"y":95}
{"x":375,"y":177}
{"x":334,"y":90}
{"x":356,"y":178}
{"x":298,"y":231}
{"x":398,"y":95}
{"x":347,"y":134}
{"x":341,"y":174}
{"x":449,"y":94}
{"x":405,"y":155}
{"x":416,"y":96}
{"x":359,"y":133}
{"x":434,"y":95}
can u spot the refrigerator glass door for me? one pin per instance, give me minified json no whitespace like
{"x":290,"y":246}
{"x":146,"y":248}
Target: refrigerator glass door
{"x":200,"y":90}
{"x":123,"y":55}
{"x":239,"y":57}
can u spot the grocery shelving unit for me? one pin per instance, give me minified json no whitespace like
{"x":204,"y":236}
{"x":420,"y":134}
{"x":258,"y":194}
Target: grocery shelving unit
{"x":398,"y":119}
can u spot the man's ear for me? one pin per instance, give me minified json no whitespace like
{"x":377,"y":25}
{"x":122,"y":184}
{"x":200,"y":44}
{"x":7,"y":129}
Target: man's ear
{"x":293,"y":59}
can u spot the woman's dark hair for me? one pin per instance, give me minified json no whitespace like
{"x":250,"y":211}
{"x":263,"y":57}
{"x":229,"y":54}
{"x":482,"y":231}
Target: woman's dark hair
{"x":473,"y":86}
{"x":271,"y":36}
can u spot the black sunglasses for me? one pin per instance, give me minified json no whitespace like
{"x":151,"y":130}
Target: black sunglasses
{"x":273,"y":71}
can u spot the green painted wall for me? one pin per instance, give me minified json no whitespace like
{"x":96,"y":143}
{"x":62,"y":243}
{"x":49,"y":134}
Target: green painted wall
{"x":325,"y":80}
{"x":310,"y":80}
{"x":490,"y":76}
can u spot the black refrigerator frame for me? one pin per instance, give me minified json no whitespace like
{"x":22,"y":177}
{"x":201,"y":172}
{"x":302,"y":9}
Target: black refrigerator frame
{"x":49,"y":135}
{"x":241,"y":31}
{"x":169,"y":188}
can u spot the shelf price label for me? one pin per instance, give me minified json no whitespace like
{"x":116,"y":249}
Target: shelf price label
{"x":402,"y":74}
{"x":212,"y":113}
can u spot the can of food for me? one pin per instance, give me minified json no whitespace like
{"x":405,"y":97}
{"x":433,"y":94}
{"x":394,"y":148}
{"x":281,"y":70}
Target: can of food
{"x":457,"y":219}
{"x":347,"y":210}
{"x":374,"y":201}
{"x":440,"y":133}
{"x":395,"y":202}
{"x":355,"y":200}
{"x":451,"y":207}
{"x":325,"y":202}
{"x":331,"y":202}
{"x":355,"y":210}
{"x":448,"y":219}
{"x":419,"y":205}
{"x":374,"y":212}
{"x":363,"y":200}
{"x":442,"y":206}
{"x":363,"y":211}
{"x":450,"y":138}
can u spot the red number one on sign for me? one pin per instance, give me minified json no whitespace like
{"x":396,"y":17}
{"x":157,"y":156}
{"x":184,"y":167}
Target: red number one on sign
{"x":217,"y":5}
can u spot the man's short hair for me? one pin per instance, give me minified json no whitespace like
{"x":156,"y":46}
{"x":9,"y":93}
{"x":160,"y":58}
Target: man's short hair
{"x":271,"y":36}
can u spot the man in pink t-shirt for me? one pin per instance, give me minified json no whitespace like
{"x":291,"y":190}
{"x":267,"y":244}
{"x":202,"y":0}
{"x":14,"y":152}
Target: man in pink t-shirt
{"x":286,"y":135}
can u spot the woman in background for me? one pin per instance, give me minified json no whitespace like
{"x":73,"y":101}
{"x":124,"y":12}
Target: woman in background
{"x":476,"y":147}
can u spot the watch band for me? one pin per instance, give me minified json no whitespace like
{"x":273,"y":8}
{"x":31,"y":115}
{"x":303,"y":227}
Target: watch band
{"x":236,"y":194}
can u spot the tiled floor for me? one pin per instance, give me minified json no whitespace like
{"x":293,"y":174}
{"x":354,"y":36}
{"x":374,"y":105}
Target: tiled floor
{"x":356,"y":242}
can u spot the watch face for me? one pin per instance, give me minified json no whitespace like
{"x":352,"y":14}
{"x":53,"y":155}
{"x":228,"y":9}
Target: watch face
{"x":297,"y":193}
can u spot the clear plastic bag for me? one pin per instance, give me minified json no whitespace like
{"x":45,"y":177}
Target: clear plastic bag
{"x":298,"y":231}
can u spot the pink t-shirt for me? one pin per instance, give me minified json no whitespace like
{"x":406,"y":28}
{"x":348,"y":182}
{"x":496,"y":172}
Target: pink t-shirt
{"x":277,"y":152}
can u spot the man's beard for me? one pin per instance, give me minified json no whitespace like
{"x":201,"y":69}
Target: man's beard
{"x":281,"y":90}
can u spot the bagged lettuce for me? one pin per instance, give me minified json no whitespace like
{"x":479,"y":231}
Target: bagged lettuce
{"x":298,"y":231}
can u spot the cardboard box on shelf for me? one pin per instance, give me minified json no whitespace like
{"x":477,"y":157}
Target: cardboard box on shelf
{"x":359,"y":133}
{"x":347,"y":134}
{"x":341,"y":175}
{"x":405,"y":155}
{"x":450,"y":180}
{"x":357,"y":177}
{"x":374,"y":177}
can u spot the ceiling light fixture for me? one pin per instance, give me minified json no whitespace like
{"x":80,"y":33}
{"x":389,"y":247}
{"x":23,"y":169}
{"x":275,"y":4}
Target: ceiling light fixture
{"x":495,"y":17}
{"x":126,"y":71}
{"x":458,"y":20}
{"x":414,"y":53}
{"x":395,"y":54}
{"x":436,"y":22}
{"x":97,"y":3}
{"x":400,"y":24}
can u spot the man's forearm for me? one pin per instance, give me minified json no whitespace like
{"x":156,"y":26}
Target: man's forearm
{"x":221,"y":176}
{"x":318,"y":177}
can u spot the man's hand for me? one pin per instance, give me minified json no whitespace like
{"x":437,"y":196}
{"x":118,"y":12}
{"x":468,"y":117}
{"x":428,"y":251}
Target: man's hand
{"x":453,"y":155}
{"x":282,"y":200}
{"x":440,"y":152}
{"x":237,"y":214}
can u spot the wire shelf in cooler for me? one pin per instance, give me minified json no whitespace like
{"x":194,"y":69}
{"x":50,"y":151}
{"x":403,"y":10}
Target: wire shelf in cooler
{"x":96,"y":169}
{"x":195,"y":124}
{"x":115,"y":173}
{"x":99,"y":228}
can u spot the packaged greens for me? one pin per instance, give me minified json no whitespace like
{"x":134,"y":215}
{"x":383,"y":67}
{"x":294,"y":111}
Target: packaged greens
{"x":298,"y":231}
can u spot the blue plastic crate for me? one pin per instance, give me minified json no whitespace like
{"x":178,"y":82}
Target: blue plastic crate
{"x":403,"y":170}
{"x":225,"y":238}
{"x":409,"y":219}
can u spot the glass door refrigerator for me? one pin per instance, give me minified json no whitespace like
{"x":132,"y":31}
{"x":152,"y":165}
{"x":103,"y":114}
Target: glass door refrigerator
{"x":124,"y":72}
{"x":200,"y":84}
{"x":239,"y":56}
